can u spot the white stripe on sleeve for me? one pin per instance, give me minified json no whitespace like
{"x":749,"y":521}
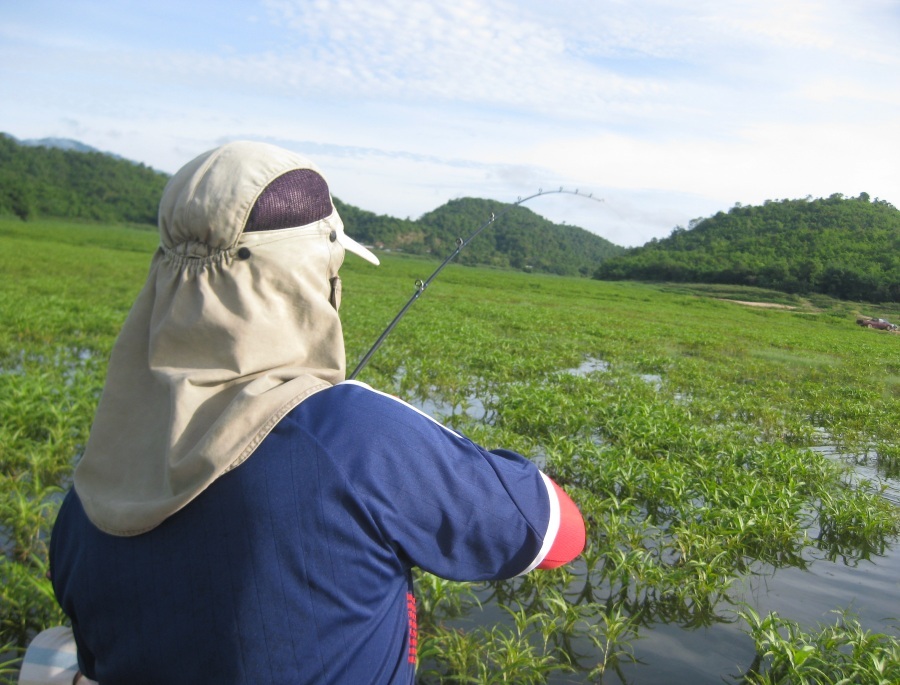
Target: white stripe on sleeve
{"x":552,"y":525}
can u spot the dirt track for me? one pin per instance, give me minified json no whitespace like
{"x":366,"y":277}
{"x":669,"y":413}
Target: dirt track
{"x":767,"y":305}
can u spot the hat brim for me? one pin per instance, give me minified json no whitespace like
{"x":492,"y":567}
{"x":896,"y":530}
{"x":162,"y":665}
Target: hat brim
{"x":350,"y":245}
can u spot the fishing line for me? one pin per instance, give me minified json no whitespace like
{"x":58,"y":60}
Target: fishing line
{"x":460,"y":244}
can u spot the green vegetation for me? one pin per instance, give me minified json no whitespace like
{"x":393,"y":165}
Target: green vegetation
{"x":49,"y":182}
{"x":844,"y":652}
{"x":844,"y":248}
{"x":43,"y":182}
{"x":62,"y":302}
{"x":847,"y":248}
{"x":521,"y":239}
{"x":683,"y":425}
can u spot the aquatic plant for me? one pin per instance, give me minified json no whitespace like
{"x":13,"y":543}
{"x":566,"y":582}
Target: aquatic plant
{"x":843,"y":652}
{"x":705,"y":442}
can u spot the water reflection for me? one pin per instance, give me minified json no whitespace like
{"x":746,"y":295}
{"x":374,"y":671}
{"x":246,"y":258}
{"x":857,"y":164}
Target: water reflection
{"x":867,"y":467}
{"x":589,"y":365}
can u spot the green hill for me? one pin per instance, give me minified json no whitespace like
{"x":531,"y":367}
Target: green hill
{"x":39,"y":180}
{"x":520,"y":239}
{"x":848,"y":248}
{"x":65,"y":179}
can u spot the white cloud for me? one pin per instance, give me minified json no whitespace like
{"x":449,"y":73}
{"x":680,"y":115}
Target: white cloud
{"x":488,"y":54}
{"x":670,"y":110}
{"x":764,"y":161}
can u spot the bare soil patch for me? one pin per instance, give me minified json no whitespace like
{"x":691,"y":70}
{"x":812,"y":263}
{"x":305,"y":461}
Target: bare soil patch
{"x":766,"y":305}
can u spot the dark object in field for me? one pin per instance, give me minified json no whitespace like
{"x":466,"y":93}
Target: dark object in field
{"x":880,"y":324}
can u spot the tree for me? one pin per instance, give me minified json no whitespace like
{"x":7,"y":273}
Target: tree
{"x":846,"y":247}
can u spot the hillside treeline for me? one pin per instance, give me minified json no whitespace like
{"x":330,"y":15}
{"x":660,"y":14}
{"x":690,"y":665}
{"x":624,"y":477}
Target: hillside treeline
{"x":518,"y":239}
{"x":49,"y":182}
{"x":848,"y":248}
{"x":43,"y":181}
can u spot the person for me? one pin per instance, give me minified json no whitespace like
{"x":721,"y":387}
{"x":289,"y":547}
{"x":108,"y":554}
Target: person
{"x":244,"y":514}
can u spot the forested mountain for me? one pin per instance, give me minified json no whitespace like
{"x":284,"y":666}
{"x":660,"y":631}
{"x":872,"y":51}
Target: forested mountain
{"x":519,"y":239}
{"x":845,"y":247}
{"x":65,"y":179}
{"x":37,"y":180}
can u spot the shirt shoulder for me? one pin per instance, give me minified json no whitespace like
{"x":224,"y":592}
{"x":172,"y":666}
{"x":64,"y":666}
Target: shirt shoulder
{"x":449,"y":505}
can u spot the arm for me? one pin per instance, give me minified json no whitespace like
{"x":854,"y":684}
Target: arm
{"x":448,"y":505}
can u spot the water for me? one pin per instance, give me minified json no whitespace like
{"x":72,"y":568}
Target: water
{"x":870,"y":590}
{"x":723,"y":652}
{"x":670,"y":653}
{"x":865,"y":469}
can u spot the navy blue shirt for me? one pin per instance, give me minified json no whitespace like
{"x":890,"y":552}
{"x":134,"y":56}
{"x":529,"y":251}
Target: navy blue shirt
{"x":294,"y":567}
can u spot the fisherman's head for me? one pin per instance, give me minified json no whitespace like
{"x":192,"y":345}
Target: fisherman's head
{"x":230,"y":202}
{"x":236,"y":325}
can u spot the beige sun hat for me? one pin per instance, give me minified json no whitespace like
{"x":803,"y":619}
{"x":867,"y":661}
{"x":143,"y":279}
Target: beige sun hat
{"x":236,"y":325}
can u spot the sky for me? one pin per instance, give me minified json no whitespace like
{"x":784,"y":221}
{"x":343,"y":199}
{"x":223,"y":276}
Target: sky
{"x":666,"y":110}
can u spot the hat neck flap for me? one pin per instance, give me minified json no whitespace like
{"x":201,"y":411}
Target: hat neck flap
{"x":232,"y":330}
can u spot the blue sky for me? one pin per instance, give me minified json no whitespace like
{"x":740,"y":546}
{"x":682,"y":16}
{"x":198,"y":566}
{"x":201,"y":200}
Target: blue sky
{"x":667,"y":110}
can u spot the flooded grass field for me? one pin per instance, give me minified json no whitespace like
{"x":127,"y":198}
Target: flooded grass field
{"x":738,"y":466}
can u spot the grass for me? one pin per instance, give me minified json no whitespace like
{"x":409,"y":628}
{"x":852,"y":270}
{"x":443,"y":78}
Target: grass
{"x":689,"y":447}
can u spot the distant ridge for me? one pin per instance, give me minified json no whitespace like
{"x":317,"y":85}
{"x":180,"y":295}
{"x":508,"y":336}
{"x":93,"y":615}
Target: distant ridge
{"x":844,"y":247}
{"x":60,"y":177}
{"x":63,"y":144}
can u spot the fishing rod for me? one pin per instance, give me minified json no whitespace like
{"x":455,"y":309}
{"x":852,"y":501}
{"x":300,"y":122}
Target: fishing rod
{"x":460,"y":244}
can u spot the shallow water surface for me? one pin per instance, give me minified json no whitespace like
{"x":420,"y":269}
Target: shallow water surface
{"x":870,"y":590}
{"x":722,"y":652}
